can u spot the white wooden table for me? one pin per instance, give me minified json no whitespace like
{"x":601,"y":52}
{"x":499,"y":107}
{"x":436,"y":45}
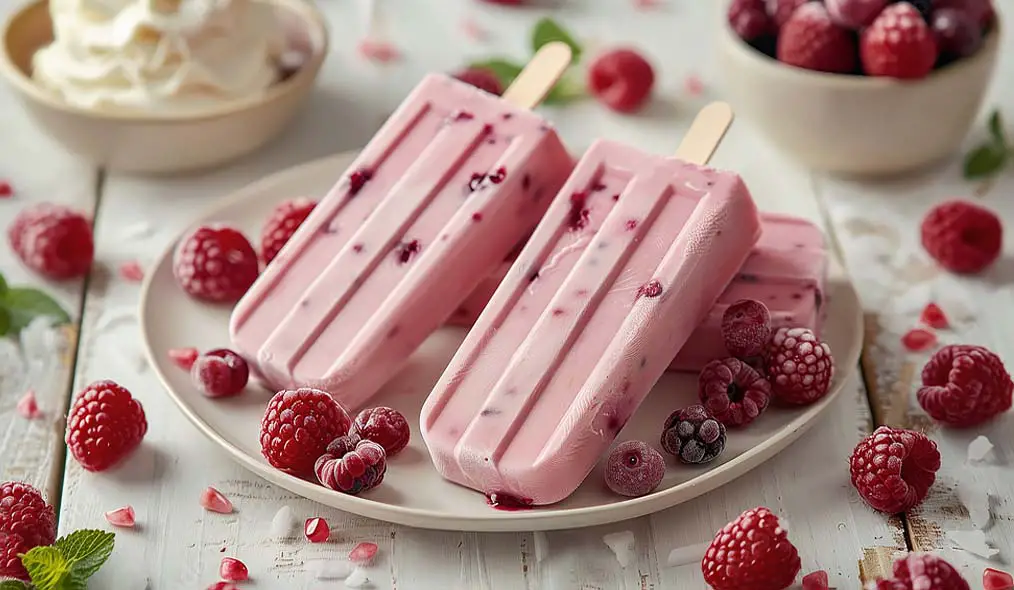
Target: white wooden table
{"x":178,"y":545}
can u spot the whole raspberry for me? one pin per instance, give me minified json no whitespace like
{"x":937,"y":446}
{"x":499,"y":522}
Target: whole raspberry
{"x":893,"y":469}
{"x":482,"y":79}
{"x":634,"y":469}
{"x":24,"y":513}
{"x":354,"y":472}
{"x":284,"y":221}
{"x":962,"y":236}
{"x":899,"y":44}
{"x":11,"y":545}
{"x":854,"y":14}
{"x":812,"y":41}
{"x":220,"y":373}
{"x":923,"y":570}
{"x":981,"y":11}
{"x":799,"y":366}
{"x":215,"y":263}
{"x":342,"y":445}
{"x":746,"y":328}
{"x":693,"y":435}
{"x":105,"y":425}
{"x":733,"y":392}
{"x":752,"y":552}
{"x":297,"y":427}
{"x":621,"y":79}
{"x":384,"y":426}
{"x":53,"y":240}
{"x":749,"y":19}
{"x":956,"y":33}
{"x":965,"y":385}
{"x":782,"y":10}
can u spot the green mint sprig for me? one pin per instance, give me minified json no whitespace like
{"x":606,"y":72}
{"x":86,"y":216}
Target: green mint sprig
{"x":20,"y":305}
{"x":992,"y":156}
{"x":66,"y":564}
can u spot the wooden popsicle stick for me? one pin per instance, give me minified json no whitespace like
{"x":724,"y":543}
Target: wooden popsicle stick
{"x":539,"y":76}
{"x":705,"y":133}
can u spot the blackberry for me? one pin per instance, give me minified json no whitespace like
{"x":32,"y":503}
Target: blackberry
{"x":693,"y":435}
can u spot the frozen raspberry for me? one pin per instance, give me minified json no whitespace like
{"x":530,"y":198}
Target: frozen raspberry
{"x":184,"y":358}
{"x":812,"y":41}
{"x":343,"y":445}
{"x":752,"y":552}
{"x":23,"y":512}
{"x":996,"y":580}
{"x":215,"y":263}
{"x":316,"y":530}
{"x":363,"y":553}
{"x":956,"y":33}
{"x":893,"y":469}
{"x":297,"y":427}
{"x":284,"y":221}
{"x":781,"y":11}
{"x":482,"y":79}
{"x":746,"y":328}
{"x":934,"y":317}
{"x":53,"y":240}
{"x":11,"y":545}
{"x":634,"y":469}
{"x":105,"y":425}
{"x":733,"y":392}
{"x":965,"y":386}
{"x":899,"y":44}
{"x":621,"y":79}
{"x":962,"y":236}
{"x":854,"y":14}
{"x":923,"y":570}
{"x":750,"y":19}
{"x":122,"y":517}
{"x":799,"y":366}
{"x":817,"y":580}
{"x":693,"y":435}
{"x":918,"y":340}
{"x":384,"y":426}
{"x":233,"y":570}
{"x":220,"y":373}
{"x":357,"y":471}
{"x":981,"y":11}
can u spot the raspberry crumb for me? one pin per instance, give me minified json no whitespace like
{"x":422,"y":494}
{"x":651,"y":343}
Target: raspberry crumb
{"x":233,"y":570}
{"x":996,"y":580}
{"x":650,"y":289}
{"x":934,"y":317}
{"x":693,"y":85}
{"x":6,"y":191}
{"x":965,"y":386}
{"x":893,"y":469}
{"x":213,"y":501}
{"x":122,"y":517}
{"x":817,"y":580}
{"x":752,"y":551}
{"x":363,"y":553}
{"x":918,"y":340}
{"x":378,"y":51}
{"x":28,"y":407}
{"x":799,"y":366}
{"x":316,"y":530}
{"x":53,"y":241}
{"x":183,"y":357}
{"x":131,"y":271}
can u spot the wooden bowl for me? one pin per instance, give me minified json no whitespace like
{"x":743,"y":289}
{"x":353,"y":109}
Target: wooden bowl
{"x":164,"y":143}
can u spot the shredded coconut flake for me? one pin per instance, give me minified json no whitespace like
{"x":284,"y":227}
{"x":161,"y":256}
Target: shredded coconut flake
{"x":973,"y":542}
{"x":980,"y":450}
{"x":687,"y":555}
{"x":622,"y":545}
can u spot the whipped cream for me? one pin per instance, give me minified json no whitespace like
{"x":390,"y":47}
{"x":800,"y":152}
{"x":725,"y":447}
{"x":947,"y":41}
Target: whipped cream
{"x":159,"y":55}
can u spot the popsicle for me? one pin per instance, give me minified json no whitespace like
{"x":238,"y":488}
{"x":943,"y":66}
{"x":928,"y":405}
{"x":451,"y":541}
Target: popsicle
{"x":628,"y":260}
{"x":451,"y":182}
{"x":787,"y":270}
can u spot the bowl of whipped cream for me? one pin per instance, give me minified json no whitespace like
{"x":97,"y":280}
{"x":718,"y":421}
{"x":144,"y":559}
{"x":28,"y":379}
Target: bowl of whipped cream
{"x":163,"y":86}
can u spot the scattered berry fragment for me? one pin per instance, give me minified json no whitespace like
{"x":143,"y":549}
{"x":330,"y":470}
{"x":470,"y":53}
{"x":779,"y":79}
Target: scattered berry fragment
{"x":817,"y":580}
{"x":893,"y":469}
{"x":297,"y":427}
{"x":965,"y":386}
{"x":634,"y":469}
{"x":854,"y":14}
{"x":6,"y":190}
{"x":354,"y":472}
{"x":810,"y":40}
{"x":482,"y":79}
{"x":996,"y":580}
{"x":215,"y":263}
{"x":384,"y":426}
{"x":23,"y":512}
{"x":962,"y":236}
{"x":122,"y":517}
{"x":183,"y":357}
{"x":316,"y":530}
{"x":131,"y":271}
{"x":363,"y":553}
{"x":934,"y":317}
{"x":899,"y":44}
{"x":53,"y":240}
{"x":733,"y":391}
{"x":799,"y":366}
{"x":11,"y":546}
{"x":223,"y":586}
{"x":214,"y":501}
{"x":924,"y":570}
{"x":749,"y":19}
{"x":105,"y":424}
{"x":621,"y":79}
{"x":378,"y":50}
{"x":693,"y":435}
{"x":220,"y":373}
{"x":918,"y":340}
{"x":233,"y":570}
{"x":28,"y":406}
{"x":284,"y":221}
{"x":746,"y":328}
{"x":752,"y":552}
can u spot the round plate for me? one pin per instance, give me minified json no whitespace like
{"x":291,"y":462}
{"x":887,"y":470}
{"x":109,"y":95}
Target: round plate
{"x":413,"y":493}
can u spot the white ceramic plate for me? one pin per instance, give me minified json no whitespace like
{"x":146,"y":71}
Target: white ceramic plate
{"x":413,"y":493}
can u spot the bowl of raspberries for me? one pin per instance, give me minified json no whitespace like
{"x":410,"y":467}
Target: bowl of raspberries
{"x":861,"y":87}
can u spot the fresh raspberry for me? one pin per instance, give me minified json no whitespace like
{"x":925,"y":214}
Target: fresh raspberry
{"x":981,"y":11}
{"x":918,"y":340}
{"x":746,"y":328}
{"x":53,"y":240}
{"x":752,"y":552}
{"x":893,"y":469}
{"x":693,"y":435}
{"x":817,"y":580}
{"x":733,"y":392}
{"x":482,"y":79}
{"x":11,"y":545}
{"x":812,"y":41}
{"x":965,"y":385}
{"x":781,"y":11}
{"x":634,"y":469}
{"x":934,"y":317}
{"x":105,"y":425}
{"x":297,"y":427}
{"x":918,"y":571}
{"x":854,"y":14}
{"x":354,"y":472}
{"x":956,"y":33}
{"x":24,"y":513}
{"x":750,"y":19}
{"x":962,"y":236}
{"x":220,"y":373}
{"x":621,"y":79}
{"x":215,"y":263}
{"x":898,"y":44}
{"x":799,"y":366}
{"x":284,"y":221}
{"x":996,"y":580}
{"x":384,"y":426}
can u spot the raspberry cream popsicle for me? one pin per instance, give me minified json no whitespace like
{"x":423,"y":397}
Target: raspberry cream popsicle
{"x":628,"y":260}
{"x":452,"y":181}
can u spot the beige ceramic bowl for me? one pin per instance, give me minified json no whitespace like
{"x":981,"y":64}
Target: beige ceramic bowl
{"x":856,"y":125}
{"x":167,"y":143}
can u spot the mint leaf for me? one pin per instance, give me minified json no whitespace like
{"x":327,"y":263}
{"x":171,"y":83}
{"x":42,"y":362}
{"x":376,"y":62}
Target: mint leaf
{"x":24,"y":304}
{"x":3,"y":289}
{"x":86,"y":551}
{"x":504,"y":70}
{"x":49,"y":569}
{"x":996,"y":129}
{"x":5,"y":327}
{"x":13,"y":585}
{"x":566,"y":90}
{"x":985,"y":160}
{"x":547,"y":30}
